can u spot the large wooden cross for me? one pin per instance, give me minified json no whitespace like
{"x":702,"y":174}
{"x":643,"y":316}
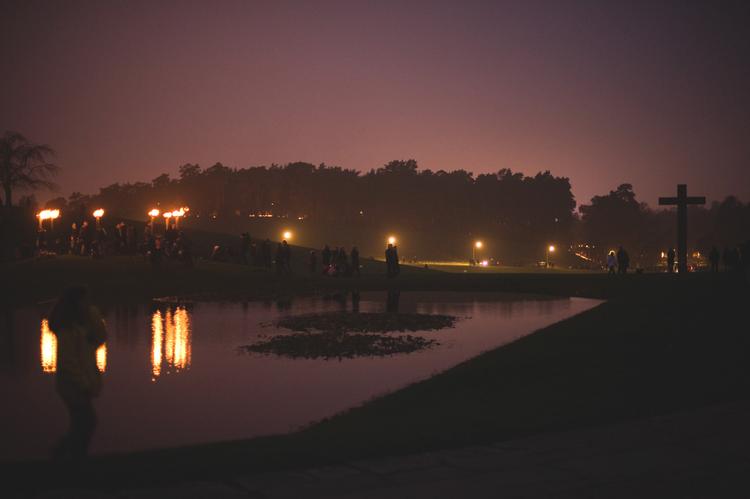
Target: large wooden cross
{"x":682,"y":201}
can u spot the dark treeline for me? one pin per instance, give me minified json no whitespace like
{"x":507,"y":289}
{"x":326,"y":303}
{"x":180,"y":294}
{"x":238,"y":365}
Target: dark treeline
{"x":433,"y":214}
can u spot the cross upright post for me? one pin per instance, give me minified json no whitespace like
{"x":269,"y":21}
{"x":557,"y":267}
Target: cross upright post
{"x":682,"y":201}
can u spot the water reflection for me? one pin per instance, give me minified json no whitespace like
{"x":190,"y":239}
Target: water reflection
{"x":48,"y":351}
{"x":48,"y":347}
{"x":171,"y":340}
{"x":101,"y":358}
{"x":150,"y":341}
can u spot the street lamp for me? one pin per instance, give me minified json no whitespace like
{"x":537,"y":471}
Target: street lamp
{"x":477,"y":245}
{"x":550,"y":249}
{"x":167,"y":216}
{"x":287,"y":235}
{"x":98,"y":214}
{"x":391,"y":240}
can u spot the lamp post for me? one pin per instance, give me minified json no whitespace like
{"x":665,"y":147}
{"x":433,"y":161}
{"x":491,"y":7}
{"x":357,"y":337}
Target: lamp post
{"x":98,"y":214}
{"x":167,"y":216}
{"x":550,"y":249}
{"x":153,"y":214}
{"x":477,"y":245}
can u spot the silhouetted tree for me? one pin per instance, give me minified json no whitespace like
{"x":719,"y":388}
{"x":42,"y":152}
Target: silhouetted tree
{"x":24,"y":165}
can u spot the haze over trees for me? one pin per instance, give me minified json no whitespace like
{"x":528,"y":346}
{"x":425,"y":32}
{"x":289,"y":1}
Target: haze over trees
{"x":434,"y":214}
{"x":430,"y":210}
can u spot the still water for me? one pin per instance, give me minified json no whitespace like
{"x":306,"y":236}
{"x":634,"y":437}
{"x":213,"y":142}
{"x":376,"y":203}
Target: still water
{"x":173,"y":373}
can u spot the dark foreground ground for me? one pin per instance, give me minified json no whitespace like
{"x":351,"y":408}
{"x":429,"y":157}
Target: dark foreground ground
{"x":660,"y":345}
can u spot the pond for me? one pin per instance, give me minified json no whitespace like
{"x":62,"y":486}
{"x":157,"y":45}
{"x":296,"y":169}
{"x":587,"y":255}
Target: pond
{"x":174,"y":373}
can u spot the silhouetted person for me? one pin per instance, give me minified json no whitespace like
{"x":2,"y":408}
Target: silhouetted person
{"x":670,"y":260}
{"x":244,"y":247}
{"x":342,"y":262}
{"x":80,"y":332}
{"x":623,"y":261}
{"x":255,"y":255}
{"x":279,"y":260}
{"x":266,"y":252}
{"x":611,"y":262}
{"x":326,"y":258}
{"x":713,"y":258}
{"x":389,"y":267}
{"x":86,"y":238}
{"x":396,"y":264}
{"x":313,"y":261}
{"x":184,"y":250}
{"x":355,"y":261}
{"x":156,"y":252}
{"x":287,"y":257}
{"x":73,"y":241}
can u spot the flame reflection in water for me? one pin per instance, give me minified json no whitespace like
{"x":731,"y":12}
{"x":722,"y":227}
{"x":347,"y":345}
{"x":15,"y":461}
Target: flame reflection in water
{"x":170,"y":341}
{"x":48,"y":351}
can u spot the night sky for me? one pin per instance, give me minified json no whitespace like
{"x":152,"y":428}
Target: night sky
{"x":650,"y":93}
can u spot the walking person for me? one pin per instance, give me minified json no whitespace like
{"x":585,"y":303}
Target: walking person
{"x":326,"y":258}
{"x":279,"y":260}
{"x":713,"y":258}
{"x":355,"y":261}
{"x":396,"y":264}
{"x":389,"y":261}
{"x":266,"y":252}
{"x":287,"y":257}
{"x":80,"y":331}
{"x":670,"y":260}
{"x":623,"y":261}
{"x":611,"y":262}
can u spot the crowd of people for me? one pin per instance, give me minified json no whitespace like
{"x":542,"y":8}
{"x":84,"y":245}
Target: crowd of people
{"x":731,"y":258}
{"x":96,"y":241}
{"x":335,"y":262}
{"x":332,"y":262}
{"x":173,"y":245}
{"x":88,"y":238}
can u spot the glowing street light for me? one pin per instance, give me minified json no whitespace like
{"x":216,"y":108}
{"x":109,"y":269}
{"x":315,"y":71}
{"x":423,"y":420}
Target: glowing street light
{"x":477,"y":245}
{"x":98,"y":214}
{"x":391,"y":239}
{"x":287,"y":235}
{"x":167,"y":216}
{"x":550,"y":249}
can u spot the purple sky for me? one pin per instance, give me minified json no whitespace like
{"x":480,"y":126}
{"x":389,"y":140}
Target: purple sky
{"x":650,"y":93}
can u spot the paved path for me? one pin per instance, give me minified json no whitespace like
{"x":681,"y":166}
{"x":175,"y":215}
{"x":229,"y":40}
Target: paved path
{"x":703,"y":453}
